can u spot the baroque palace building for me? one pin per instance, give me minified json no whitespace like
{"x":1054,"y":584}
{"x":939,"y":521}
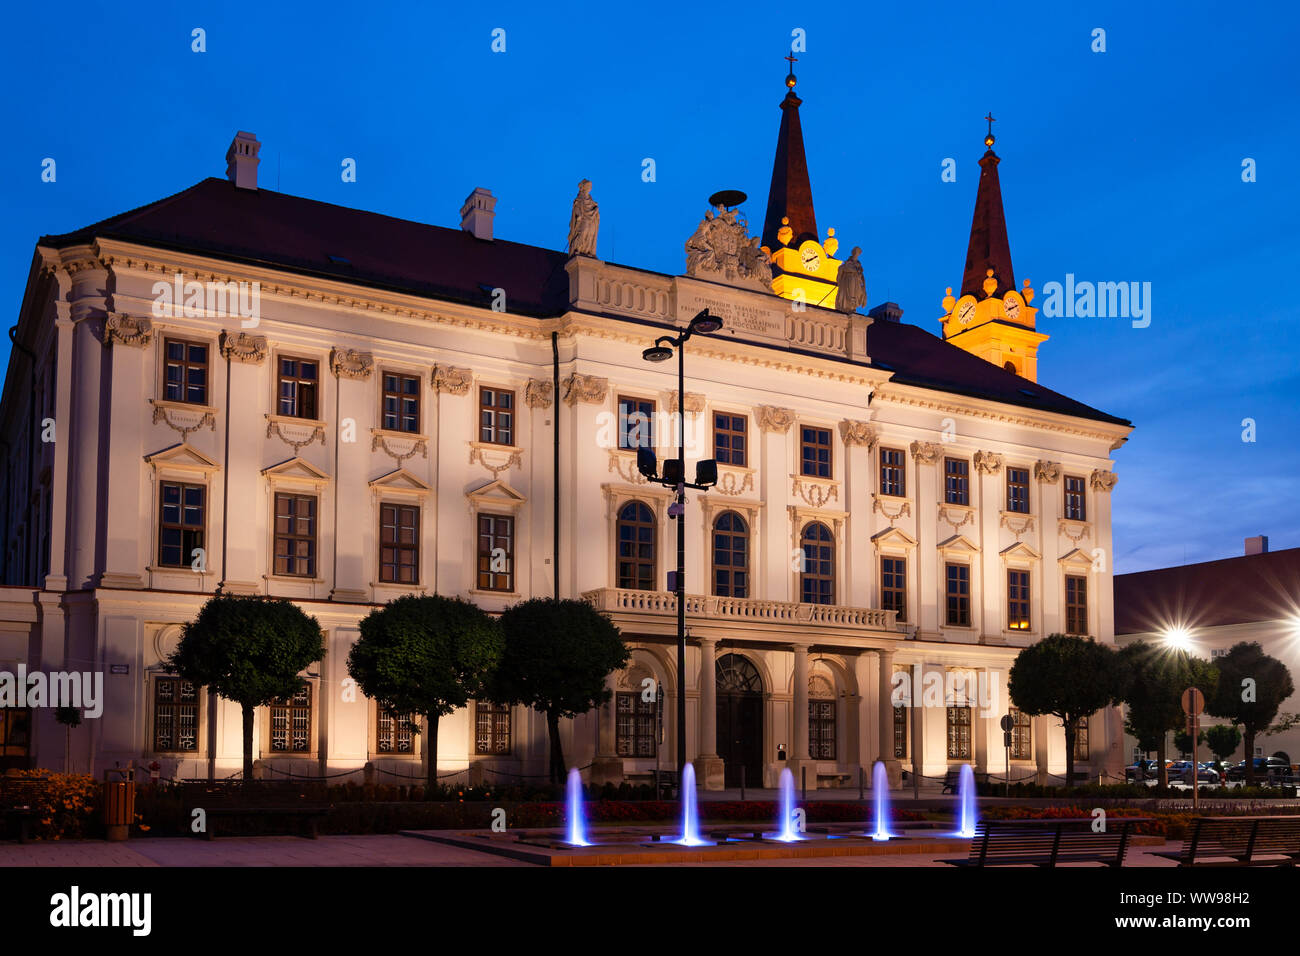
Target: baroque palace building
{"x":397,"y":404}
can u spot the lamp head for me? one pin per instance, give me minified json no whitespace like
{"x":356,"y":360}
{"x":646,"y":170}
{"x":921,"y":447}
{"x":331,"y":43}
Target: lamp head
{"x":646,"y":463}
{"x":659,"y":352}
{"x":704,"y":323}
{"x":706,"y":472}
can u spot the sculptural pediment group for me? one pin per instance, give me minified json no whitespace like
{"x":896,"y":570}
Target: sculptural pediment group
{"x":722,"y":250}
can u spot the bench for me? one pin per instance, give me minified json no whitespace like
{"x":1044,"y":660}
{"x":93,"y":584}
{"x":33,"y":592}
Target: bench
{"x":1240,"y":841}
{"x":308,"y":817}
{"x":1048,"y":842}
{"x":839,"y":779}
{"x":17,"y":803}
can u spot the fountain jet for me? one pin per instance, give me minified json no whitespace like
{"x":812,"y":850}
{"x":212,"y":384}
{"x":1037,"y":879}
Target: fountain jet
{"x":577,"y":835}
{"x":690,"y":813}
{"x":880,"y":796}
{"x":966,"y":801}
{"x":789,"y":833}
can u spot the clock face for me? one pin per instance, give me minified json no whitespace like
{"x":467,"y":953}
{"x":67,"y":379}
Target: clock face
{"x":812,"y":257}
{"x":1012,"y":307}
{"x":966,"y":312}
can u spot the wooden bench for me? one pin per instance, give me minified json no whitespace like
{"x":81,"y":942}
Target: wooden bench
{"x":308,"y":817}
{"x":17,"y":799}
{"x":1240,"y":841}
{"x":1048,"y":842}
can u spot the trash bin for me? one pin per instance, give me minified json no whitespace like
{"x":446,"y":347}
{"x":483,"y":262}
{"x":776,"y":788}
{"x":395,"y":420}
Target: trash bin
{"x":119,"y":803}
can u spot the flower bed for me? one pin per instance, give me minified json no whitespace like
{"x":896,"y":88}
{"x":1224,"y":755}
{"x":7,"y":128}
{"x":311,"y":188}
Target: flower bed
{"x":65,"y":803}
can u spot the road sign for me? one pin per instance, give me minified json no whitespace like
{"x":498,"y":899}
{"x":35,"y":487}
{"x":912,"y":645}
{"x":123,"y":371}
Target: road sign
{"x":1193,"y":702}
{"x":1006,"y":738}
{"x":1007,"y":724}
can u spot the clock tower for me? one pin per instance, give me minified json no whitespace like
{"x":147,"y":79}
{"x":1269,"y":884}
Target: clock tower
{"x":991,"y":318}
{"x":804,"y":267}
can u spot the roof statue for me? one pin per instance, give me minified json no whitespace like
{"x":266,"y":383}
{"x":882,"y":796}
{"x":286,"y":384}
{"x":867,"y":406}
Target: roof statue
{"x":852,"y":294}
{"x":584,"y":222}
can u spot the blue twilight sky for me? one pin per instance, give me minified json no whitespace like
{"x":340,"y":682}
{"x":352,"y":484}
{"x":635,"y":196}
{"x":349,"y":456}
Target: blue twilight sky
{"x":1117,"y":166}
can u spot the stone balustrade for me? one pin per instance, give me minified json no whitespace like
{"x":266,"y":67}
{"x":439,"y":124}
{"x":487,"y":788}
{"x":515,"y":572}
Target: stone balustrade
{"x":741,"y":609}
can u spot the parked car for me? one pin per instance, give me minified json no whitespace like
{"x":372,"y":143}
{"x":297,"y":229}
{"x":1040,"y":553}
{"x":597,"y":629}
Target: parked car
{"x":1265,"y":768}
{"x":1181,"y":770}
{"x":1141,"y":770}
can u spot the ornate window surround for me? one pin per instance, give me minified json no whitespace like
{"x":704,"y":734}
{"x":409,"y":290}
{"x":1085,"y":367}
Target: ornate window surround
{"x":288,"y":477}
{"x":183,"y":463}
{"x":497,"y":497}
{"x":401,"y":487}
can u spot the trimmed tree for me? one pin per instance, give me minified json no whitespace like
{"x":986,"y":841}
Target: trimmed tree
{"x":1154,"y":680}
{"x":1068,"y":677}
{"x":1252,"y":687}
{"x":425,"y":656}
{"x":557,"y":656}
{"x":249,"y":649}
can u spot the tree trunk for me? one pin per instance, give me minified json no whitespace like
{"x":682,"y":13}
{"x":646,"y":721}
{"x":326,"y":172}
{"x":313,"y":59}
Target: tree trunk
{"x":1162,"y":772}
{"x":431,"y":747}
{"x":247,"y":711}
{"x":557,"y":749}
{"x":1249,"y":734}
{"x":67,"y":748}
{"x":1070,"y":730}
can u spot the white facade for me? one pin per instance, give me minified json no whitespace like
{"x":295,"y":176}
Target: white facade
{"x":105,"y":602}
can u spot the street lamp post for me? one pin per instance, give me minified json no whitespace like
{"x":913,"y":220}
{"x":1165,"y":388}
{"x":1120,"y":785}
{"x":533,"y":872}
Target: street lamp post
{"x":674,"y":476}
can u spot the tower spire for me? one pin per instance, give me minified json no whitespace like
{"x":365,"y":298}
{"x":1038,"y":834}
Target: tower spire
{"x":790,"y":195}
{"x":989,"y":247}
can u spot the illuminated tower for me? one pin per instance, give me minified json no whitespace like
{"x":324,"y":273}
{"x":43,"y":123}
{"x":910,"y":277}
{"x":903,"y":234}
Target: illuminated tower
{"x":805,"y":267}
{"x":991,"y":318}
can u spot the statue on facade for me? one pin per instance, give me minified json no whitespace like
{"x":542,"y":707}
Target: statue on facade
{"x":584,"y":222}
{"x":852,"y":294}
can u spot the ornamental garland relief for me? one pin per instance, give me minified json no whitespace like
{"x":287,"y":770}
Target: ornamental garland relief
{"x":904,"y":508}
{"x":244,"y":348}
{"x":449,"y":378}
{"x":126,"y":330}
{"x":1102,"y":480}
{"x":294,"y":434}
{"x":694,"y":402}
{"x":183,"y":420}
{"x":858,"y":433}
{"x":584,"y":389}
{"x":399,"y":449}
{"x":728,"y":484}
{"x":537,"y":393}
{"x":772,"y":418}
{"x":926,"y":452}
{"x":815,"y":494}
{"x":496,"y":461}
{"x":625,"y":469}
{"x":351,"y":363}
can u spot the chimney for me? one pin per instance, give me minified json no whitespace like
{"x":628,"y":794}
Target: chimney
{"x":887,"y":312}
{"x":241,"y":160}
{"x":1257,"y":544}
{"x":476,"y":214}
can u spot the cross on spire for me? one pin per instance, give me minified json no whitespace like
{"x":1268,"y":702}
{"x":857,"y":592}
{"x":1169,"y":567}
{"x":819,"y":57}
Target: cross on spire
{"x":988,"y":139}
{"x":790,"y":78}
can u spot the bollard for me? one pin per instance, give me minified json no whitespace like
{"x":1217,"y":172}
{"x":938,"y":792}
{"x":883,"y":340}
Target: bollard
{"x":742,"y":782}
{"x":861,"y":780}
{"x":803,"y":783}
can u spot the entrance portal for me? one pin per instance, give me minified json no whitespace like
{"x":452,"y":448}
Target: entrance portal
{"x":740,"y":719}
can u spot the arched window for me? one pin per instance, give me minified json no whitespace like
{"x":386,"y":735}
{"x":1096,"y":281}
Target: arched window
{"x":737,"y":675}
{"x":636,"y":547}
{"x":817,"y":582}
{"x":730,"y":556}
{"x":821,"y":718}
{"x":1010,"y":367}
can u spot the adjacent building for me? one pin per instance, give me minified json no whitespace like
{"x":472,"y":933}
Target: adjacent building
{"x":238,"y":389}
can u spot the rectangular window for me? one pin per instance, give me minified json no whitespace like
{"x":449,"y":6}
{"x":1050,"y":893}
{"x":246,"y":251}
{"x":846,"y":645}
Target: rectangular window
{"x":299,"y":386}
{"x":958,"y":594}
{"x":180,"y":523}
{"x":496,"y":553}
{"x":15,"y":736}
{"x":900,"y":732}
{"x":1022,"y":737}
{"x":401,"y":402}
{"x":399,"y":544}
{"x":1076,"y":605}
{"x":175,"y":715}
{"x":635,"y":423}
{"x":1081,"y":739}
{"x":1017,"y":600}
{"x":815,"y":452}
{"x":636,"y":723}
{"x":959,"y":733}
{"x":893,"y":479}
{"x":893,"y":586}
{"x":395,"y":734}
{"x":821,"y":729}
{"x":496,"y":416}
{"x":185,"y":372}
{"x":729,"y":444}
{"x":1075,"y":507}
{"x":1018,"y":490}
{"x":956,"y":481}
{"x":295,"y":535}
{"x":491,"y":728}
{"x":291,"y":723}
